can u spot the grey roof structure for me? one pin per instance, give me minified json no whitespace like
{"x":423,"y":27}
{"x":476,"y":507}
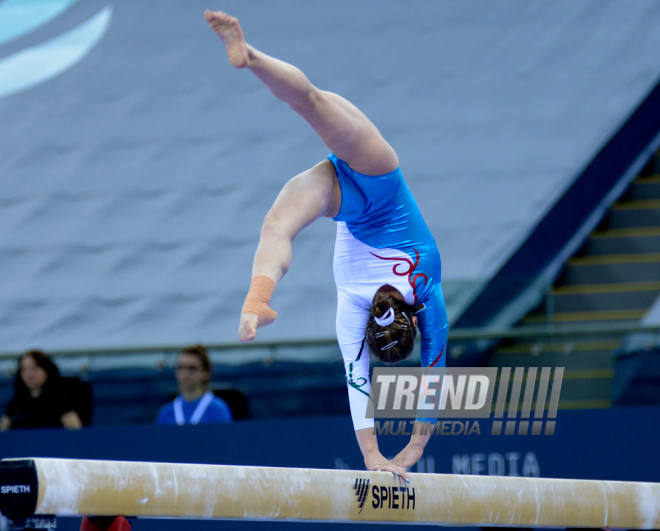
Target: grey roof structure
{"x":137,"y":164}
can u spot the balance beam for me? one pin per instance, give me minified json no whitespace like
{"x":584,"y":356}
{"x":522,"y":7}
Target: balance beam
{"x":71,"y":487}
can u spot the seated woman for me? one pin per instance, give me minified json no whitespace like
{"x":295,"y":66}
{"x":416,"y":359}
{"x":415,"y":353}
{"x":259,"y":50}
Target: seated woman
{"x":386,"y":263}
{"x":38,"y":401}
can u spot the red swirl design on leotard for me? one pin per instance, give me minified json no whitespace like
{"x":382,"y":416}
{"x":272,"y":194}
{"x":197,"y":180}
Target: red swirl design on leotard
{"x":412,"y":280}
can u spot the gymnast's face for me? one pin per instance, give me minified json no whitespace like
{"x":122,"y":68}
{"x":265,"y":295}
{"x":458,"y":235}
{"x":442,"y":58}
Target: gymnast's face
{"x":190,"y":375}
{"x":34,"y":377}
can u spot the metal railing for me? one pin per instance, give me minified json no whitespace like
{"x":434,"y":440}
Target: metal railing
{"x":324,"y":349}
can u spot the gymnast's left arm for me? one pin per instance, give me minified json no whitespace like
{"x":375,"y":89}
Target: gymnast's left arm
{"x":433,"y":328}
{"x":351,"y":325}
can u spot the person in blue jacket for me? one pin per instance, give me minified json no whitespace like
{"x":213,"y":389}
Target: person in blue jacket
{"x":386,"y":263}
{"x":195,"y":403}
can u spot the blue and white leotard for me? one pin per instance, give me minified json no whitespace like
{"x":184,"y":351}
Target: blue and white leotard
{"x":382,"y":239}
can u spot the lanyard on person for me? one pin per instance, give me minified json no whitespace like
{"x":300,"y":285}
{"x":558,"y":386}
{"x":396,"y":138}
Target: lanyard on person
{"x":197,"y":415}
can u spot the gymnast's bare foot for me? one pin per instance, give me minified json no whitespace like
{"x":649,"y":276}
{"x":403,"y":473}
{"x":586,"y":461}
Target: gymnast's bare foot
{"x":247,"y":329}
{"x":229,"y":30}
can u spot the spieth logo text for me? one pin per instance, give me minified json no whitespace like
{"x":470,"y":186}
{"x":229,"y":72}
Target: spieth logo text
{"x":429,"y":394}
{"x":14,"y":489}
{"x":383,"y":497}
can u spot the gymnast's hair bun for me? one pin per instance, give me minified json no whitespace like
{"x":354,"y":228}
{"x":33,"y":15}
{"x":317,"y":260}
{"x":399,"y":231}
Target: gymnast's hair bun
{"x":387,"y":319}
{"x":390,"y":334}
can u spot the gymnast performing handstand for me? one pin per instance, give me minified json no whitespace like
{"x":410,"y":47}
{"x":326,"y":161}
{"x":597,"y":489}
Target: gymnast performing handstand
{"x":386,"y":263}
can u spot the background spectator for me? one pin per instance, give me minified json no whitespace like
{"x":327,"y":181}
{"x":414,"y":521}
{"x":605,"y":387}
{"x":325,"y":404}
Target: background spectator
{"x":39,"y":400}
{"x":195,"y":404}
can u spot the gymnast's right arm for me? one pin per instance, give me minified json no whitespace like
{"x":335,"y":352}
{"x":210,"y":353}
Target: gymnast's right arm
{"x":433,"y":327}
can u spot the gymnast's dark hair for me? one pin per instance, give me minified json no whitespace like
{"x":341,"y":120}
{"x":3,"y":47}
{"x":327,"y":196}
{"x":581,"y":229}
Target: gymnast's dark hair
{"x":394,"y":342}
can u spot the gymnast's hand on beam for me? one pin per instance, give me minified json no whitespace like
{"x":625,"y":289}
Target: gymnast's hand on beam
{"x":376,"y":462}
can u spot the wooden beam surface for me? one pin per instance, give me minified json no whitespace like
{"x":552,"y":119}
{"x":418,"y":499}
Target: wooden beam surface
{"x":69,"y":487}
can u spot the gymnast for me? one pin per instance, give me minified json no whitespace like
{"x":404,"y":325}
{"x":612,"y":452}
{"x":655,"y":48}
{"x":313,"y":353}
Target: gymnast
{"x":386,"y":263}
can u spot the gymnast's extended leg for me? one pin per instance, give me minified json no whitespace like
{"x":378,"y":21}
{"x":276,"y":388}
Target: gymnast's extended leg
{"x":345,"y":130}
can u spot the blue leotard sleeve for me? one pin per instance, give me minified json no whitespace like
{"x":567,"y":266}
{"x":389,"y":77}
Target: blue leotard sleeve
{"x":433,"y":329}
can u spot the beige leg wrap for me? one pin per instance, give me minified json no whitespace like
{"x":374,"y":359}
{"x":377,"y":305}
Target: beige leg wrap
{"x":258,"y":300}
